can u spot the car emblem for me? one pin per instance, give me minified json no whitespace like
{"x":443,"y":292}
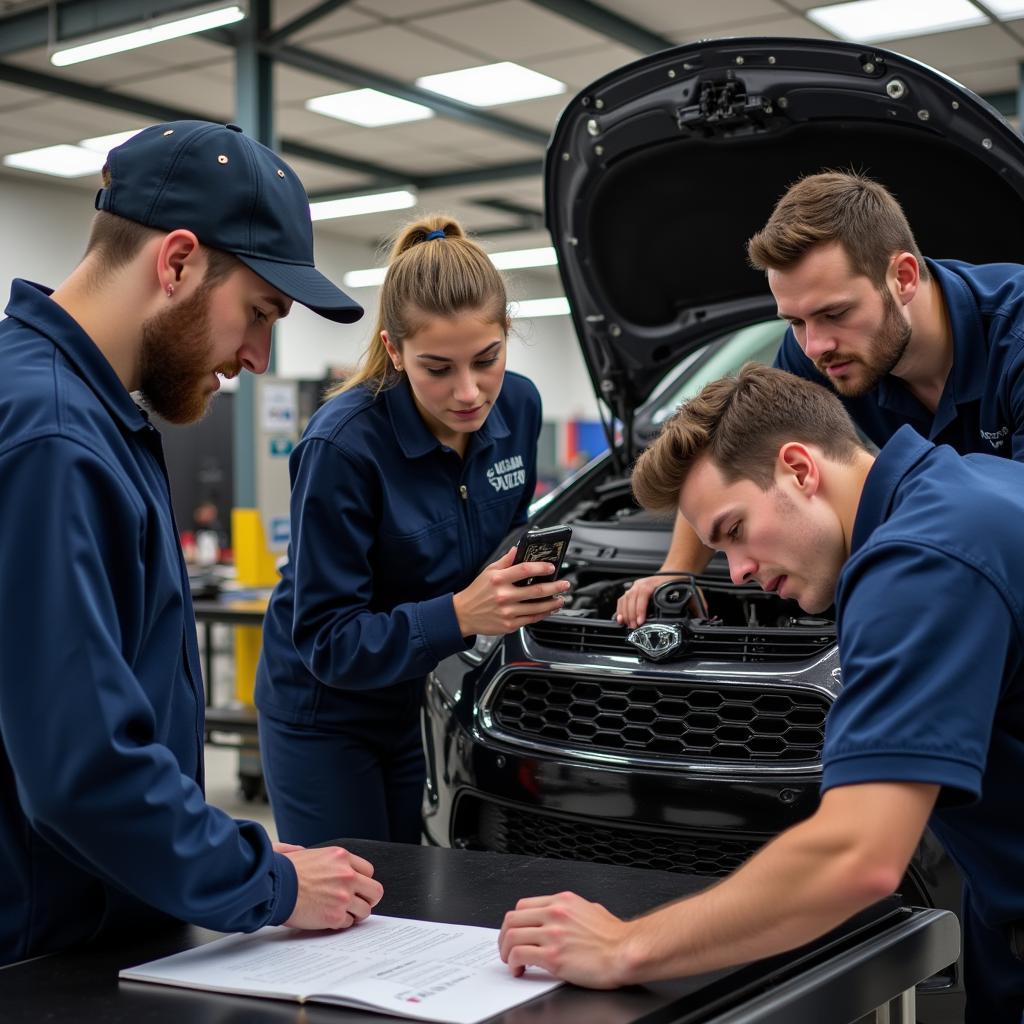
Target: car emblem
{"x":656,"y":641}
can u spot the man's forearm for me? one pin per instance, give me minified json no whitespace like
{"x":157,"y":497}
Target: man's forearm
{"x":800,"y":886}
{"x":685,"y":553}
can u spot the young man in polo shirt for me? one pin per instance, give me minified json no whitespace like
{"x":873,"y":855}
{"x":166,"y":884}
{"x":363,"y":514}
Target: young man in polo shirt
{"x":937,"y":344}
{"x":203,"y":242}
{"x":920,"y":551}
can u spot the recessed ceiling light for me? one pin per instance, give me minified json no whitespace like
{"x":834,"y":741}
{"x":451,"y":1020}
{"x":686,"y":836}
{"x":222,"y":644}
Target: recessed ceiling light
{"x":353,"y":206}
{"x":532,"y":308}
{"x":517,"y":259}
{"x":369,"y":278}
{"x":147,"y":36}
{"x":64,"y":161}
{"x":368,"y":107}
{"x":871,"y":20}
{"x":105,"y":143}
{"x":1006,"y":8}
{"x":491,"y":84}
{"x":511,"y":259}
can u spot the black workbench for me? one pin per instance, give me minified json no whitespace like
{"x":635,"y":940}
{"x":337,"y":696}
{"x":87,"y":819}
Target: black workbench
{"x":871,"y":962}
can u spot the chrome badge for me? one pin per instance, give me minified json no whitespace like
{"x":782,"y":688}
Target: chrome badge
{"x":656,"y":641}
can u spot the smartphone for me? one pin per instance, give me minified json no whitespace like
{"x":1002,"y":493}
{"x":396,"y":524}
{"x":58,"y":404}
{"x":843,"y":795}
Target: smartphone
{"x":547,"y":545}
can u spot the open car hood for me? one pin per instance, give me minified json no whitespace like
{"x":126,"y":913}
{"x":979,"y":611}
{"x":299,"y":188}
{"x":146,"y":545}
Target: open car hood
{"x":658,"y":173}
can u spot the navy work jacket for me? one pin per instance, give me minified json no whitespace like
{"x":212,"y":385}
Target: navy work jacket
{"x":102,"y":815}
{"x":387,"y":524}
{"x":930,"y":616}
{"x":982,"y":405}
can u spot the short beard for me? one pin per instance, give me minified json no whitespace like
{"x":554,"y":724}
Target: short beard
{"x":175,"y":359}
{"x":883,"y":356}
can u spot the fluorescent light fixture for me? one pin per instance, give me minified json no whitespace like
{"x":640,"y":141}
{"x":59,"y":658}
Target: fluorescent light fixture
{"x":105,"y":143}
{"x":529,"y":309}
{"x":868,"y":21}
{"x":64,"y":161}
{"x":1006,"y":8}
{"x":491,"y":84}
{"x":154,"y":33}
{"x":517,"y":259}
{"x":368,"y":107}
{"x":354,"y":206}
{"x":370,"y":278}
{"x":511,"y":259}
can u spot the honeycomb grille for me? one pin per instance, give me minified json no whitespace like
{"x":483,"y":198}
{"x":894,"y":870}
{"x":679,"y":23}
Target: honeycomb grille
{"x":664,"y":720}
{"x":481,"y":824}
{"x":712,"y":643}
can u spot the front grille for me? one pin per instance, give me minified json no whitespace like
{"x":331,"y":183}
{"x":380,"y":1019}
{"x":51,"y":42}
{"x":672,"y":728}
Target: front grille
{"x":484,"y":825}
{"x":667,"y":719}
{"x":709,"y":643}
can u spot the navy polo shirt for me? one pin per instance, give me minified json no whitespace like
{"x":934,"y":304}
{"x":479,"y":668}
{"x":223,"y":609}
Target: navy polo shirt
{"x":387,"y":524}
{"x":930,"y":617}
{"x":102,"y":815}
{"x":982,"y":405}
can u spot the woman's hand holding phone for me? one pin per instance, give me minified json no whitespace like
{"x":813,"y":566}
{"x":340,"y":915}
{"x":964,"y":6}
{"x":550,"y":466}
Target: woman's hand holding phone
{"x":497,"y":602}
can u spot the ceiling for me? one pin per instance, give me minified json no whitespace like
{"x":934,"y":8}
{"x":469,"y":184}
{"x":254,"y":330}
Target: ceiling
{"x":481,"y":165}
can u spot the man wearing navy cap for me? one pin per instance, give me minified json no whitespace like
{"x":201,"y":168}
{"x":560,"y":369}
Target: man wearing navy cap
{"x":936,"y":344}
{"x":202,"y":243}
{"x":920,"y":549}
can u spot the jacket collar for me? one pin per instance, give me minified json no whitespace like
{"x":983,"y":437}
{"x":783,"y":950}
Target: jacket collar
{"x":31,"y":304}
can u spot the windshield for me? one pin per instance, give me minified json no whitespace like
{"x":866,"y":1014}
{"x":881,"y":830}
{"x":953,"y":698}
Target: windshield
{"x":756,"y":343}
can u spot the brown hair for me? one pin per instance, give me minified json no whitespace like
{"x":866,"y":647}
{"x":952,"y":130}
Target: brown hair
{"x":115,"y":241}
{"x":741,"y":422}
{"x":442,"y":276}
{"x":860,"y":214}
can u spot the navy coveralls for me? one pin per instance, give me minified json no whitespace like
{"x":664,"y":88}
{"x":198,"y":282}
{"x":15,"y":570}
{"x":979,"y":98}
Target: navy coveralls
{"x":102,"y":815}
{"x":982,"y":404}
{"x":387,"y":524}
{"x":930,"y":617}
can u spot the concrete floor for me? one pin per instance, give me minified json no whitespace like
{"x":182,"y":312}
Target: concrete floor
{"x":222,"y":789}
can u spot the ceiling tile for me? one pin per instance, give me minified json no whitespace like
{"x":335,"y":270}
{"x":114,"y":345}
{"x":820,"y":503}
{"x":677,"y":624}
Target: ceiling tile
{"x":294,"y":86}
{"x":578,"y":70}
{"x":393,"y":50}
{"x":206,"y":94}
{"x":1001,"y":76}
{"x":509,"y":30}
{"x":318,"y":177}
{"x":791,"y":27}
{"x":346,"y":18}
{"x":404,"y":9}
{"x":682,"y":19}
{"x":949,"y":49}
{"x":13,"y":96}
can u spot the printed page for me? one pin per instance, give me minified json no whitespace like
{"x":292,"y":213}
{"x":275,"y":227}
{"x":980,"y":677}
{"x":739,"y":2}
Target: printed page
{"x":419,"y":969}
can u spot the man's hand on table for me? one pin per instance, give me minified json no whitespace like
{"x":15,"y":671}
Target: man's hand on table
{"x":570,"y":938}
{"x":336,"y":888}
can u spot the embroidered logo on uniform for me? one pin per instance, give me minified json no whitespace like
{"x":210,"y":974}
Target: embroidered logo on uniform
{"x":995,"y":437}
{"x":507,"y":474}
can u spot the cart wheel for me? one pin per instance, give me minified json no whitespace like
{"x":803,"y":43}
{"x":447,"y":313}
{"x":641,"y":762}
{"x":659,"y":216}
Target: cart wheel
{"x":251,"y":786}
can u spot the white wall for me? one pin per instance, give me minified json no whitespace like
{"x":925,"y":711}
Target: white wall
{"x":45,"y":228}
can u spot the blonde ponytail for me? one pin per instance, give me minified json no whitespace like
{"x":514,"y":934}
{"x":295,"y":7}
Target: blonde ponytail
{"x":433,"y":270}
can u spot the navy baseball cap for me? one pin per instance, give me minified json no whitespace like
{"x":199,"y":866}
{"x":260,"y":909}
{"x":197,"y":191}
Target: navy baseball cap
{"x":235,"y":194}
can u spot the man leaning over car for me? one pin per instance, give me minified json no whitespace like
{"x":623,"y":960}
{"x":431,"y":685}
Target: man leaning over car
{"x":928,"y":728}
{"x":937,"y":344}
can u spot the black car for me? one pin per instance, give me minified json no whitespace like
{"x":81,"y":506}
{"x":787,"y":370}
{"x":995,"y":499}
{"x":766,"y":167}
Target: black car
{"x":688,"y":744}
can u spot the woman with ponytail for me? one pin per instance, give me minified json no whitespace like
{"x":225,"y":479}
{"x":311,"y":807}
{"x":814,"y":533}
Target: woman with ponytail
{"x":403,"y":485}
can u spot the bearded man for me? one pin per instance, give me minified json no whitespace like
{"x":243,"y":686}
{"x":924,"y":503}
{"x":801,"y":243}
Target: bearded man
{"x":202,"y":242}
{"x":936,"y":344}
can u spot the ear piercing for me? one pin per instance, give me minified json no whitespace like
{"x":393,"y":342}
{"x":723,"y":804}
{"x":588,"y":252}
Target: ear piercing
{"x":170,"y":290}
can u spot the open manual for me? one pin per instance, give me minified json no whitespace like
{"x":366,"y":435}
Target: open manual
{"x":437,"y":972}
